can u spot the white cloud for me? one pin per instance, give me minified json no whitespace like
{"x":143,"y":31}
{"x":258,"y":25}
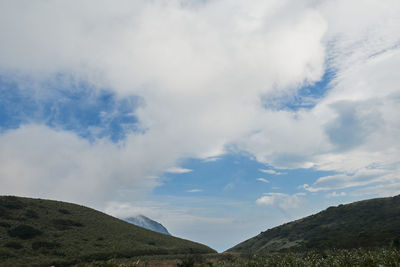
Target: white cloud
{"x":360,"y":178}
{"x":271,"y":172}
{"x":380,"y":190}
{"x":266,"y":200}
{"x":211,"y":159}
{"x":229,"y":186}
{"x":39,"y":161}
{"x":263,"y":180}
{"x":194,"y":190}
{"x":178,"y":170}
{"x":200,"y":77}
{"x":283,"y":201}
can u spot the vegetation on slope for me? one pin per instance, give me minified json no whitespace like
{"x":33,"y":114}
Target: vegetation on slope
{"x":329,"y":258}
{"x":365,"y":224}
{"x":46,"y":232}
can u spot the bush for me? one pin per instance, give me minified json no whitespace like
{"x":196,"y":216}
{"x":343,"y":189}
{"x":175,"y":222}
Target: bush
{"x":64,"y":224}
{"x":64,"y":211}
{"x":3,"y":212}
{"x":31,"y":214}
{"x":5,"y":225}
{"x":44,"y":244}
{"x":14,"y":245}
{"x":11,"y":202}
{"x":24,"y":232}
{"x":6,"y":254}
{"x":187,"y":262}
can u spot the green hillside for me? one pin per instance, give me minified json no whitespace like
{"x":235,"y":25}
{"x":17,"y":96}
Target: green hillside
{"x":46,"y":232}
{"x":373,"y":223}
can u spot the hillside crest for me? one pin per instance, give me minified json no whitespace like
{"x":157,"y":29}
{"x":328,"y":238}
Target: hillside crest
{"x":364,"y":224}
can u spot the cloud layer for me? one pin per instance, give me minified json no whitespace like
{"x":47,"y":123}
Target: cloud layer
{"x":207,"y":72}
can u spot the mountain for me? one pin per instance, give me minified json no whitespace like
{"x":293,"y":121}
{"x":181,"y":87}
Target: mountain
{"x":47,"y":232}
{"x":148,"y":223}
{"x":365,"y":224}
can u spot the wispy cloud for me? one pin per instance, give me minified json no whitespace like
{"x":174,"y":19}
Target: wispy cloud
{"x":263,"y":180}
{"x":194,"y":190}
{"x":178,"y":170}
{"x":340,"y":181}
{"x":211,"y":159}
{"x":229,"y":186}
{"x":271,"y":172}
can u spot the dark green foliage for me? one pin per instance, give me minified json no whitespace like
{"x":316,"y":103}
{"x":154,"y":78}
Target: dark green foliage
{"x":24,"y":232}
{"x":64,"y":211}
{"x":6,"y":254}
{"x":3,"y":212}
{"x":31,"y":214}
{"x":13,"y":244}
{"x":327,"y":258}
{"x":188,"y":262}
{"x":65,"y":224}
{"x":339,"y":258}
{"x":56,"y":237}
{"x":44,"y":244}
{"x":5,"y":225}
{"x":367,"y":224}
{"x":11,"y":202}
{"x":396,"y":243}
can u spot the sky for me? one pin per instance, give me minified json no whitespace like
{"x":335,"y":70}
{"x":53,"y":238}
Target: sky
{"x":218,"y":118}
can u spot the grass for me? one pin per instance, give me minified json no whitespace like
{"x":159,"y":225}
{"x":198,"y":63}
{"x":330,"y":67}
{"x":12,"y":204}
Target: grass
{"x":327,"y":258}
{"x":45,"y":232}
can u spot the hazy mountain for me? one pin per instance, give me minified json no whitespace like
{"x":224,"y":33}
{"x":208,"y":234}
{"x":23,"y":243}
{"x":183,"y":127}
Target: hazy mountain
{"x":46,"y":232}
{"x":147,"y":223}
{"x":368,"y":224}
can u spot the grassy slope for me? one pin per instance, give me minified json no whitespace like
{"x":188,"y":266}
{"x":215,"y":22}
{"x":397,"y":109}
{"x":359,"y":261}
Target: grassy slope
{"x":369,"y":224}
{"x":65,"y":233}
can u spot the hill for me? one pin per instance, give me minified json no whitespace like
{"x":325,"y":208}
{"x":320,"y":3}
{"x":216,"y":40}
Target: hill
{"x":47,"y":232}
{"x":145,"y":222}
{"x":365,"y":224}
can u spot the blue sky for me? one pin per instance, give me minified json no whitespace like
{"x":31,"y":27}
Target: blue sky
{"x":219,"y":119}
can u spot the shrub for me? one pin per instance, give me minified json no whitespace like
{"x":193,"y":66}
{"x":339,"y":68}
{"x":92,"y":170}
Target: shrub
{"x":396,"y":243}
{"x":5,"y":225}
{"x":3,"y":212}
{"x":64,"y":224}
{"x":64,"y":211}
{"x":14,"y":245}
{"x":44,"y":244}
{"x":6,"y":254}
{"x":189,"y":261}
{"x":24,"y":232}
{"x":11,"y":202}
{"x":31,"y":214}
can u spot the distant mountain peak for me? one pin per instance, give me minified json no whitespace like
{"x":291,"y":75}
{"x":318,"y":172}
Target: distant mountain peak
{"x":145,"y":222}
